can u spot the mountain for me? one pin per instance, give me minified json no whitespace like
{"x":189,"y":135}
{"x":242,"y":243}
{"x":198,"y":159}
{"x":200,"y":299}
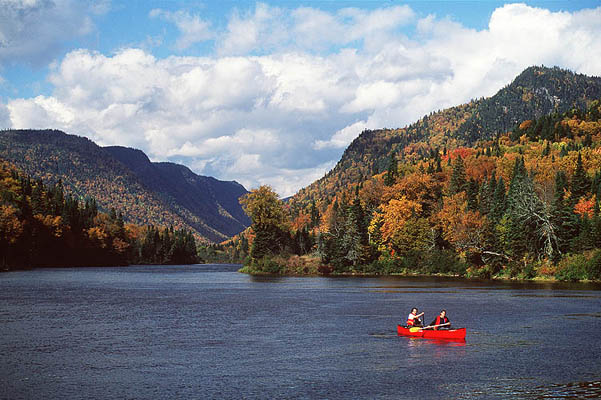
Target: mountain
{"x":145,"y":192}
{"x":537,"y":91}
{"x":215,"y":200}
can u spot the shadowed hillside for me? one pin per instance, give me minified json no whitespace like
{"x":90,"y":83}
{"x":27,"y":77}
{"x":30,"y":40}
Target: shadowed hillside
{"x":145,"y":193}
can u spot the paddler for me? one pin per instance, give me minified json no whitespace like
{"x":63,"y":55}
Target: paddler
{"x":413,"y":320}
{"x":441,"y":319}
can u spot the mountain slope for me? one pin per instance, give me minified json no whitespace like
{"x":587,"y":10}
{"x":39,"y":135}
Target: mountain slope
{"x":215,"y":200}
{"x":145,"y":192}
{"x":535,"y":92}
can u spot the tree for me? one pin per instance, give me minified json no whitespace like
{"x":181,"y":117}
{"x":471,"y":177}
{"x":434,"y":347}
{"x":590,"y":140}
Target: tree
{"x":530,"y":225}
{"x":580,"y":181}
{"x":392,"y":170}
{"x":268,"y":217}
{"x":394,"y":216}
{"x":463,"y":228}
{"x":458,"y":182}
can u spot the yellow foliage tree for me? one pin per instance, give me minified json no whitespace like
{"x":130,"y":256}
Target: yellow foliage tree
{"x":465,"y":229}
{"x":10,"y":226}
{"x":392,"y":223}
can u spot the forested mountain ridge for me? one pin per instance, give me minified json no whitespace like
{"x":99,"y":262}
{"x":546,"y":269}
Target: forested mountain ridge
{"x":536,"y":92}
{"x":145,"y":193}
{"x":525,"y":204}
{"x":216,"y":201}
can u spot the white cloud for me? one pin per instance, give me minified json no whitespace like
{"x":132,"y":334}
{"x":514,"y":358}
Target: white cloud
{"x":341,"y":138}
{"x":281,"y":97}
{"x":265,"y":28}
{"x":33,"y":31}
{"x":4,"y":117}
{"x":305,"y":28}
{"x":191,"y":27}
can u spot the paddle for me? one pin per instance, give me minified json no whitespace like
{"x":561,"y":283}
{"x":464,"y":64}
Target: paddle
{"x":417,"y":329}
{"x":436,"y":326}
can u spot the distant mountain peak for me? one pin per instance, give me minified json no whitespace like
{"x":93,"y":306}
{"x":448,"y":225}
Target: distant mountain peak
{"x":536,"y":91}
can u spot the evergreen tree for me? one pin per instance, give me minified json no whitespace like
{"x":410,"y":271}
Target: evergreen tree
{"x":498,"y":205}
{"x":546,"y":150}
{"x":529,"y":221}
{"x":484,"y":197}
{"x":458,"y":182}
{"x":580,"y":181}
{"x":315,"y":217}
{"x":392,"y":170}
{"x":472,"y":195}
{"x":562,"y":214}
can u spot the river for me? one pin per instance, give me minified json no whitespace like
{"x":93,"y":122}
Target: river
{"x":206,"y":331}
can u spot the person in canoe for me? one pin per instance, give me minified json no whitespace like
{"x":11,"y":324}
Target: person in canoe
{"x":441,"y":319}
{"x":413,"y":320}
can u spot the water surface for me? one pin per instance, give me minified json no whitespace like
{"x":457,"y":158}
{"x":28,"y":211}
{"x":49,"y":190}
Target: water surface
{"x":206,"y":331}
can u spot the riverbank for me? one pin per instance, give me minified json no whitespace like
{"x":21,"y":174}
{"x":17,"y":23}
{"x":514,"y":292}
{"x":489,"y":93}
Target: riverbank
{"x":573,"y":268}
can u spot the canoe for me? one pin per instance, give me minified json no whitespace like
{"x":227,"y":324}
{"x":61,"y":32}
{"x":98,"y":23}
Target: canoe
{"x":455,"y":334}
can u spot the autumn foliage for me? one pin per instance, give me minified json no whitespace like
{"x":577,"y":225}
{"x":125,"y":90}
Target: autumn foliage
{"x":513,"y":206}
{"x":41,"y":226}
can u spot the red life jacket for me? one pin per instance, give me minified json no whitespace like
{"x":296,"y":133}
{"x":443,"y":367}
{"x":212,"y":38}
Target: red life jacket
{"x":439,"y":321}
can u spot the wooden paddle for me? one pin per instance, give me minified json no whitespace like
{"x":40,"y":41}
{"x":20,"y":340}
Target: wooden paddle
{"x":417,"y":329}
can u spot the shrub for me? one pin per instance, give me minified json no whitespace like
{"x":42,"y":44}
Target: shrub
{"x":572,"y":268}
{"x":266,"y":265}
{"x":444,"y":262}
{"x":386,"y":265}
{"x":593,"y":267}
{"x":412,"y":262}
{"x":484,"y":272}
{"x":324,"y":269}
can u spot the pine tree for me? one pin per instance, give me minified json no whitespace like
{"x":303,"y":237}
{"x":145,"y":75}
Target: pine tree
{"x":458,"y":182}
{"x":314,"y":215}
{"x":484,"y":197}
{"x":498,"y":205}
{"x":547,"y":150}
{"x":392,"y":170}
{"x":530,"y":226}
{"x":562,"y":214}
{"x":580,"y":181}
{"x":472,"y":195}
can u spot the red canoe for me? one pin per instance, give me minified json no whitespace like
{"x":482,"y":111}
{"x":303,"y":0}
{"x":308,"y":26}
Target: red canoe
{"x":456,"y":334}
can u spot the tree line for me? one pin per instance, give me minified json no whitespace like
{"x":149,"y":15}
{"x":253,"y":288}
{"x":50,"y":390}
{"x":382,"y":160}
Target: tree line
{"x":41,"y":226}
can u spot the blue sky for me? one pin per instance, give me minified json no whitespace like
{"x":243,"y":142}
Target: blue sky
{"x":269,"y":92}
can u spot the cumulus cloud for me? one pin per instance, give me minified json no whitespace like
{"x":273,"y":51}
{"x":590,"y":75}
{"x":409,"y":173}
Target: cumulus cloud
{"x":4,"y":117}
{"x":341,"y":138}
{"x":192,"y":28}
{"x":264,"y":29}
{"x":33,"y":31}
{"x":282,"y":97}
{"x":308,"y":29}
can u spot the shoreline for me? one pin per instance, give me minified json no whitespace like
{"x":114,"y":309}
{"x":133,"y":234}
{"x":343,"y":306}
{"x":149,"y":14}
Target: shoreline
{"x":538,"y":279}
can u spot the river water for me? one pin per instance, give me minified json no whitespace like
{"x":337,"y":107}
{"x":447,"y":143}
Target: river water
{"x":206,"y":331}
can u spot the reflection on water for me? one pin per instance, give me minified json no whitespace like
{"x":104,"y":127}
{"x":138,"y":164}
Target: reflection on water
{"x":515,"y":388}
{"x":576,"y":390}
{"x":593,"y":315}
